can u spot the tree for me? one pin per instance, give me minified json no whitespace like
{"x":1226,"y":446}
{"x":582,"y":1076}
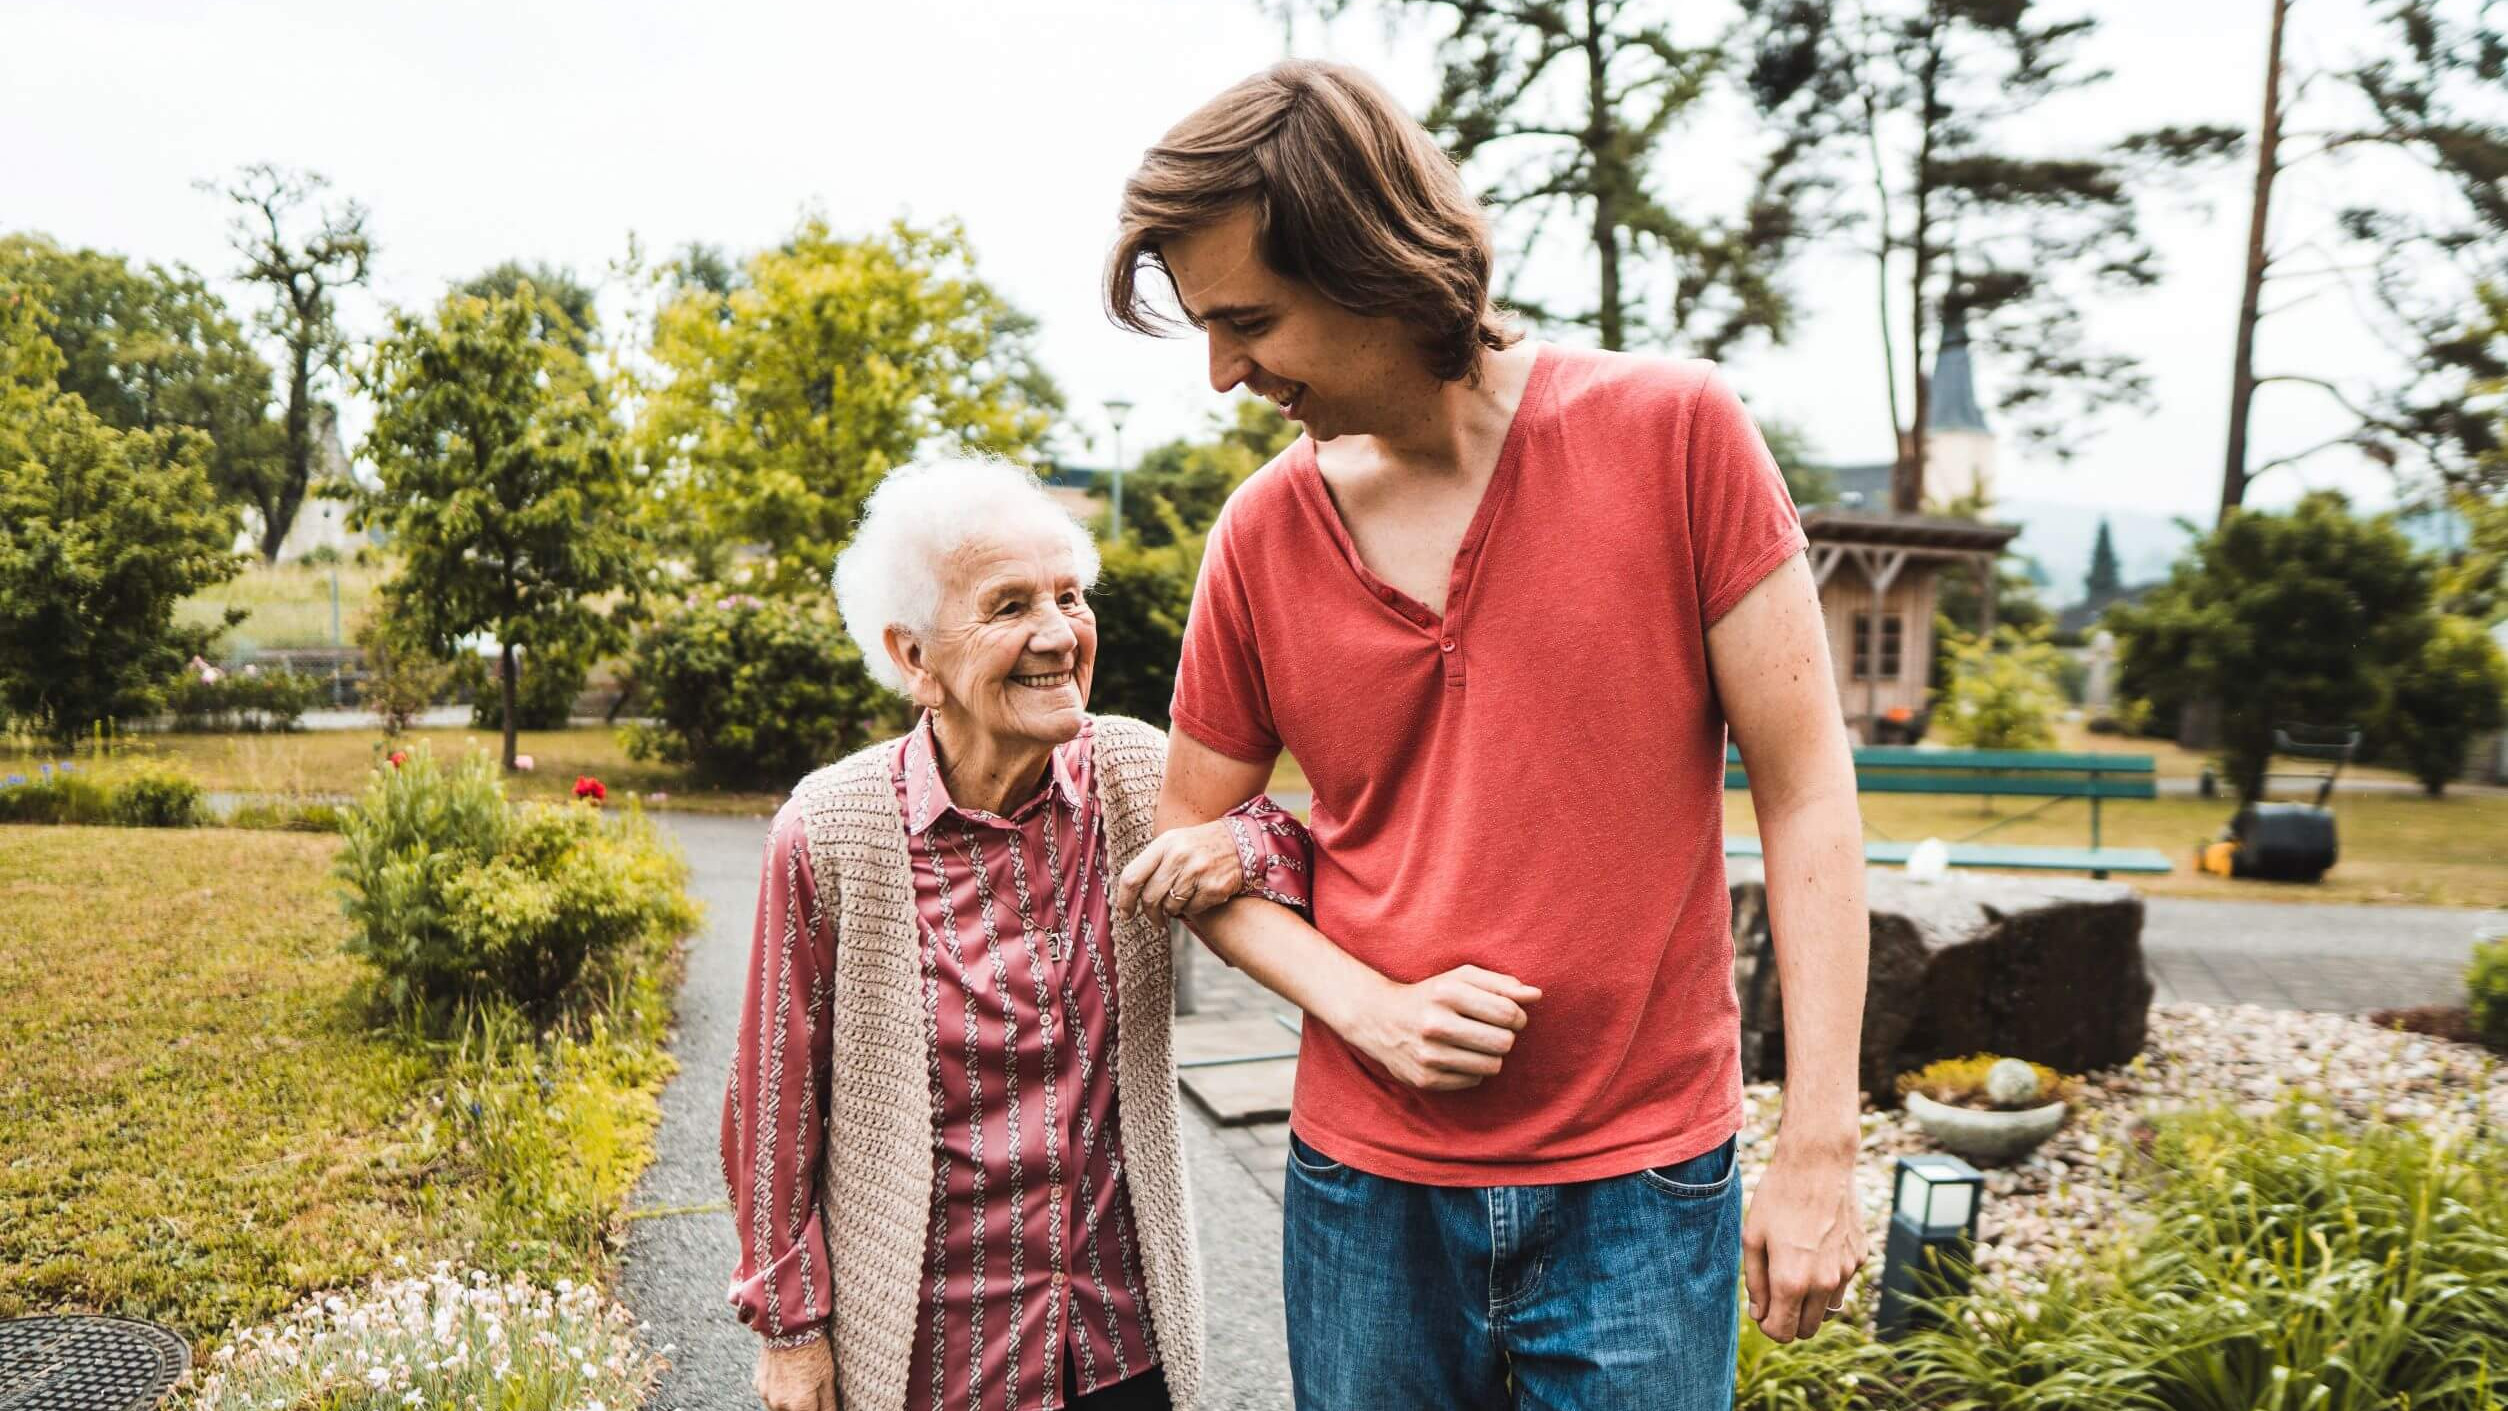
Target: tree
{"x":503,"y":486}
{"x":1961,"y":220}
{"x":1561,"y":110}
{"x":102,"y":533}
{"x":2106,"y":580}
{"x":2003,"y":693}
{"x":303,"y":277}
{"x":1187,"y":481}
{"x":778,"y":405}
{"x":564,"y":303}
{"x":151,"y":348}
{"x":2281,"y":618}
{"x":2416,"y":116}
{"x":2442,"y":697}
{"x":1806,"y":482}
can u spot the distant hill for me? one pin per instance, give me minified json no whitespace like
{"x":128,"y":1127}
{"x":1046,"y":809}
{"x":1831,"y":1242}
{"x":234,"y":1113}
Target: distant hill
{"x":2058,"y":535}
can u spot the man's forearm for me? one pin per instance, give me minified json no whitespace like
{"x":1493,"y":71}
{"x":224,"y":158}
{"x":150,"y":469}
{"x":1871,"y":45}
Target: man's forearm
{"x":1823,"y":939}
{"x":1290,"y":958}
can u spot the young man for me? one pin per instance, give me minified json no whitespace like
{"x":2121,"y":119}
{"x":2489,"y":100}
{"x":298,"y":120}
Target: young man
{"x":1502,"y":603}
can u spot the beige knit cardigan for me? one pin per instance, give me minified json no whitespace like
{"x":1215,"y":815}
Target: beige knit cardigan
{"x":875,"y":1185}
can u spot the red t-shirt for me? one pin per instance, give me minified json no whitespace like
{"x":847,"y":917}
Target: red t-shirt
{"x":1533,"y":784}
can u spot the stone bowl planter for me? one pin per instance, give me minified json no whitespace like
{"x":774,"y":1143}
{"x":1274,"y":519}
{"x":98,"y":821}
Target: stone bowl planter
{"x":1985,"y":1137}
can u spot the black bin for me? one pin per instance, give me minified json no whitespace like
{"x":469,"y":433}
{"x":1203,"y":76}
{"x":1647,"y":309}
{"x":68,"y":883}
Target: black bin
{"x":2283,"y":842}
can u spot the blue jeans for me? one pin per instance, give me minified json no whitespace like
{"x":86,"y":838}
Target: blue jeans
{"x":1607,"y":1295}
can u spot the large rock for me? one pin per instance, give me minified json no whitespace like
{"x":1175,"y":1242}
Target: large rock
{"x":2043,"y":968}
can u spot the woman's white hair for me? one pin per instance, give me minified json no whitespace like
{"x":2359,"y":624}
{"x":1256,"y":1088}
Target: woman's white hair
{"x":920,"y":514}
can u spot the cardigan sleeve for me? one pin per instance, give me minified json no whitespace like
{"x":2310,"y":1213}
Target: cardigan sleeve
{"x":775,"y":1107}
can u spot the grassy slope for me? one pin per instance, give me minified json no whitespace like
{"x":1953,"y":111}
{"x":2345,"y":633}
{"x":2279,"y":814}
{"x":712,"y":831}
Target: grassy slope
{"x":200,"y":1129}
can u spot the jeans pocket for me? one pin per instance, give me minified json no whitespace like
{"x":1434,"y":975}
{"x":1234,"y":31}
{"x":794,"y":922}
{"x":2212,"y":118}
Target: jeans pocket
{"x":1708,"y":1174}
{"x":1307,"y":1159}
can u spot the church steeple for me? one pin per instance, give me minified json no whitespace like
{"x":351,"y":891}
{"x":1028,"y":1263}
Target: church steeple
{"x":1954,"y":402}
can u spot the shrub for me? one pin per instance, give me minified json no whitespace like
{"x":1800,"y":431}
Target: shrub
{"x":750,"y":692}
{"x":158,"y":797}
{"x":56,"y":798}
{"x":457,"y":898}
{"x":2486,"y":980}
{"x":2286,"y":1262}
{"x":2441,"y":698}
{"x":248,"y":700}
{"x":401,"y":680}
{"x":2003,"y":693}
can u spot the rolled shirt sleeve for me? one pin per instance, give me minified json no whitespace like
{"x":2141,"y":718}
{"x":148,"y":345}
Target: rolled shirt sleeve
{"x":1275,"y":851}
{"x":775,"y":1106}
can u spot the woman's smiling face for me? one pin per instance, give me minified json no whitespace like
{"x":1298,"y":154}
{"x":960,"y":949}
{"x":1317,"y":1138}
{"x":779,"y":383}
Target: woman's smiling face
{"x":1013,"y":644}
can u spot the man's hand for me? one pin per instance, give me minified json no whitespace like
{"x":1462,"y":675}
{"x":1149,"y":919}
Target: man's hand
{"x":1444,"y":1033}
{"x":1803,"y":1238}
{"x":1182,"y":872}
{"x":798,"y":1378}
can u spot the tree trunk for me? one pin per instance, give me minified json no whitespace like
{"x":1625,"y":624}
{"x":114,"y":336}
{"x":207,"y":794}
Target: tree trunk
{"x":1907,"y":483}
{"x":1606,"y":207}
{"x":298,"y":469}
{"x":2251,"y":297}
{"x":505,"y":692}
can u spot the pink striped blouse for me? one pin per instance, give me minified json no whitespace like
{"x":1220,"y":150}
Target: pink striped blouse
{"x":1030,"y":1265}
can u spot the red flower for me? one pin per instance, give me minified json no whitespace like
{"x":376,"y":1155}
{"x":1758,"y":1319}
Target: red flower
{"x":397,"y":756}
{"x":587,"y":787}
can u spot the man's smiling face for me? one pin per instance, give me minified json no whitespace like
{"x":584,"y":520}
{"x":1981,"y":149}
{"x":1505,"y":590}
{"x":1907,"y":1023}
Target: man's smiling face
{"x":1328,"y":369}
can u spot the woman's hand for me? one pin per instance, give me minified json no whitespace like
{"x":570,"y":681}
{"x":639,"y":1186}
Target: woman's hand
{"x":798,"y":1378}
{"x":1182,"y":873}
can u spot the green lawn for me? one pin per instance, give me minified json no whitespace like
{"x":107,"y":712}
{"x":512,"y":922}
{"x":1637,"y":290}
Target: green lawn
{"x":197,"y":1126}
{"x":339,"y":761}
{"x":2394,"y":847}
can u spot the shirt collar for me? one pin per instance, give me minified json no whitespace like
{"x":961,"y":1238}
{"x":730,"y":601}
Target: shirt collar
{"x":927,"y":795}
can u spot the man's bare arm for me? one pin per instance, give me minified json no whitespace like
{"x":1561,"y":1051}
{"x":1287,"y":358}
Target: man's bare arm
{"x":1803,"y":1237}
{"x":1446,"y":1032}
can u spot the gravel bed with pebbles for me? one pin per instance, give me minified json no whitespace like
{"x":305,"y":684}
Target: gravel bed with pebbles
{"x":2051,"y":1207}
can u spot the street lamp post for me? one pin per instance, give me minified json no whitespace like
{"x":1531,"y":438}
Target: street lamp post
{"x":1116,"y":410}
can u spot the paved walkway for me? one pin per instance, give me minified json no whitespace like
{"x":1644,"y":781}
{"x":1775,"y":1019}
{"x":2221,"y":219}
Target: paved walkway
{"x":680,"y":1248}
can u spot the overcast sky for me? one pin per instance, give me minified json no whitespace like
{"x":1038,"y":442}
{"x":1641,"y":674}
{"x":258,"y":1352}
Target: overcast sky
{"x":548,"y":131}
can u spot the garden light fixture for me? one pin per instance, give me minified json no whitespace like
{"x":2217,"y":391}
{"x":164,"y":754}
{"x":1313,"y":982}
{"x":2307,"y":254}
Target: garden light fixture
{"x":1933,"y":1237}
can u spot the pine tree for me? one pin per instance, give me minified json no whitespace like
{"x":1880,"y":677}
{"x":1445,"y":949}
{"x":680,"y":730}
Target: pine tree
{"x":2105,"y":581}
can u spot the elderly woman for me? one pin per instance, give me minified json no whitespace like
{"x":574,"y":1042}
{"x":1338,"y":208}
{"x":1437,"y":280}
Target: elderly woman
{"x":950,"y":1137}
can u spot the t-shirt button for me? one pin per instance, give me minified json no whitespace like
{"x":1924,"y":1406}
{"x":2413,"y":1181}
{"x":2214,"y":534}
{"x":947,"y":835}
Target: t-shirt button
{"x":1447,"y":645}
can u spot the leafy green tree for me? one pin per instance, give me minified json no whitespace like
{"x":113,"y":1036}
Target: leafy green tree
{"x":151,"y":349}
{"x":1192,"y":479}
{"x":503,"y":486}
{"x":2281,"y":618}
{"x":778,"y":405}
{"x":1918,"y":107}
{"x":565,"y":303}
{"x":2003,"y":693}
{"x":2443,"y":697}
{"x":1808,"y":483}
{"x":1142,"y":597}
{"x":303,"y":276}
{"x":102,"y":533}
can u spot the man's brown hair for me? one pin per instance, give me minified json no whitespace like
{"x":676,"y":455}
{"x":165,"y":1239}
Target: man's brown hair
{"x":1348,"y":193}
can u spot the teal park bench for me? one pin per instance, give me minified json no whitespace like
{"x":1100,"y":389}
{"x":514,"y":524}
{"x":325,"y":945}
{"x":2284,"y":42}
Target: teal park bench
{"x":2024,"y":773}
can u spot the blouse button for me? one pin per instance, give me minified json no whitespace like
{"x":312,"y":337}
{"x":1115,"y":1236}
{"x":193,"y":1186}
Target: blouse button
{"x":1447,"y":645}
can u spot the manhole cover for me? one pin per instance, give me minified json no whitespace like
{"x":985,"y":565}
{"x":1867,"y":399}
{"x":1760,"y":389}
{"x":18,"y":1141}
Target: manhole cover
{"x":87,"y":1364}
